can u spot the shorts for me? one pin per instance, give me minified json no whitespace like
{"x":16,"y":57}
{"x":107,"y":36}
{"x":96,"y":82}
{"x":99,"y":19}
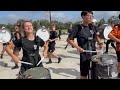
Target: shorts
{"x":85,"y":64}
{"x":118,"y":55}
{"x":17,"y":48}
{"x":5,"y":44}
{"x":51,"y":47}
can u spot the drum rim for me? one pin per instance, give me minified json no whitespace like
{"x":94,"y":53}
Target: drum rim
{"x":38,"y":67}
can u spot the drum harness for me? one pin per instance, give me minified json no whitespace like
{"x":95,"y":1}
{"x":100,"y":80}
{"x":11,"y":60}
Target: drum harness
{"x":89,"y":45}
{"x":29,"y":54}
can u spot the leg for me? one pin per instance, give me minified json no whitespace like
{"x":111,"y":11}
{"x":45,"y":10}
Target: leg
{"x":112,"y":44}
{"x":107,"y":46}
{"x":16,"y":53}
{"x":84,"y":69}
{"x":49,"y":56}
{"x":3,"y":51}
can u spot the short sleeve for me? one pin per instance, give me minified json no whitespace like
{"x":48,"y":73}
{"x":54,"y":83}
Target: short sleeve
{"x":39,"y":41}
{"x":114,"y":31}
{"x":56,"y":35}
{"x":73,"y":33}
{"x":17,"y":43}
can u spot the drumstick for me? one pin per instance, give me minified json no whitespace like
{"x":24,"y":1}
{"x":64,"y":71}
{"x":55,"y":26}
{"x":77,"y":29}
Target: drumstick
{"x":91,"y":51}
{"x":25,"y":63}
{"x":40,"y":61}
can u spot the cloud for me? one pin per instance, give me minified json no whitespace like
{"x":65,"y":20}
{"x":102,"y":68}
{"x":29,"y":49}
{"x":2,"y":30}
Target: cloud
{"x":62,"y":16}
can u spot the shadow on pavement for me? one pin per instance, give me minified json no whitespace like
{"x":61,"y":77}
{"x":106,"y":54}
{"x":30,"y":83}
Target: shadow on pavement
{"x":67,"y":71}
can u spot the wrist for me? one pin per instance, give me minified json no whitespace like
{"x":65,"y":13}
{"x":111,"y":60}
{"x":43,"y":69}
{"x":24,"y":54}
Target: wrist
{"x":100,"y":43}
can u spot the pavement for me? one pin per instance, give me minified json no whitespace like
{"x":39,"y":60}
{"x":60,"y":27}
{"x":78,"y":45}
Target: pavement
{"x":68,"y":68}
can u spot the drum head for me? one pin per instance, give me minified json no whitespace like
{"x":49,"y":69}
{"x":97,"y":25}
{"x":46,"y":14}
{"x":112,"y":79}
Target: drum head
{"x":43,"y":33}
{"x":37,"y":72}
{"x":5,"y":36}
{"x":104,"y":59}
{"x":106,"y":31}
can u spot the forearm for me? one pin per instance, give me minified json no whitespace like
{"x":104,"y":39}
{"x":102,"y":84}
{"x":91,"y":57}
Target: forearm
{"x":71,"y":42}
{"x":54,"y":39}
{"x":98,"y":40}
{"x":45,"y":47}
{"x":112,"y":37}
{"x":10,"y":52}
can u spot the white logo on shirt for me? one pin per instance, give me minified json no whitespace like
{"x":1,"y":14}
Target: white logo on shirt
{"x":35,"y":46}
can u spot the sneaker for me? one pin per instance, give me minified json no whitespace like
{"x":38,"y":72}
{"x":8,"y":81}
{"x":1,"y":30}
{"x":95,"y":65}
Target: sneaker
{"x":5,"y":64}
{"x":59,"y":59}
{"x":50,"y":61}
{"x":1,"y":56}
{"x":15,"y":67}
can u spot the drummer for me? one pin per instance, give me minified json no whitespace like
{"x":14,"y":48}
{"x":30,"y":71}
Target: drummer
{"x":51,"y":45}
{"x":112,"y":24}
{"x":115,"y":36}
{"x":82,"y":33}
{"x":30,"y":46}
{"x":17,"y":36}
{"x":4,"y":46}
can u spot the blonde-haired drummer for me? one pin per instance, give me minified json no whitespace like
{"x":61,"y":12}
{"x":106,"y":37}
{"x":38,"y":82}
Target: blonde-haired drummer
{"x":30,"y":45}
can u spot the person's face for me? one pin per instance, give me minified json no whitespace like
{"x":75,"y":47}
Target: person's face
{"x":87,"y":18}
{"x":94,"y":23}
{"x":16,"y":28}
{"x":28,"y":28}
{"x":53,"y":28}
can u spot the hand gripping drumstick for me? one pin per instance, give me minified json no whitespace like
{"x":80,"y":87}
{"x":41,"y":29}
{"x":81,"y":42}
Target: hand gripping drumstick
{"x":40,"y":61}
{"x":25,"y":63}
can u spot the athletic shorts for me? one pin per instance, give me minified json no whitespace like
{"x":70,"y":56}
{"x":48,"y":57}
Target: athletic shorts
{"x":51,"y":47}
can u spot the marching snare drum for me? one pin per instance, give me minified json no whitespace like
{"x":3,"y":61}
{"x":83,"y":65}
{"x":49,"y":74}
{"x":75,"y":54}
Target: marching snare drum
{"x":38,"y":73}
{"x":5,"y":36}
{"x":43,"y":33}
{"x":106,"y":66}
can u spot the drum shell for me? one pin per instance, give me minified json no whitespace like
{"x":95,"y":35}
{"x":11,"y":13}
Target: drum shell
{"x":38,"y":73}
{"x":106,"y":66}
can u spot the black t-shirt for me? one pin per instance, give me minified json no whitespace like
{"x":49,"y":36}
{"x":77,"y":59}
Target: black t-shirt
{"x":15,"y":36}
{"x":69,"y":30}
{"x":28,"y":45}
{"x":82,"y":33}
{"x":53,"y":35}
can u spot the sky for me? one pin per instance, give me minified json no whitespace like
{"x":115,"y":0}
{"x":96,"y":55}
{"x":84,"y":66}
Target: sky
{"x":63,"y":16}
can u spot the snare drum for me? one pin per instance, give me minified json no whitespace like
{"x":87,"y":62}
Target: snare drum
{"x":38,"y":73}
{"x":5,"y":36}
{"x":106,"y":66}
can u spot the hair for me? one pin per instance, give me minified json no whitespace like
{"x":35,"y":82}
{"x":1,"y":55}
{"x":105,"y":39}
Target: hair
{"x":83,"y":13}
{"x":22,"y":31}
{"x":25,"y":22}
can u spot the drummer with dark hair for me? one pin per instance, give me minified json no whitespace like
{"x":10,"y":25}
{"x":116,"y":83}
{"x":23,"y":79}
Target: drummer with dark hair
{"x":51,"y":45}
{"x":85,"y":35}
{"x":30,"y":46}
{"x":16,"y":36}
{"x":115,"y":36}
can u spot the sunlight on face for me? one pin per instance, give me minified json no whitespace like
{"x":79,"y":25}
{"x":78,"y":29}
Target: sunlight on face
{"x":28,"y":27}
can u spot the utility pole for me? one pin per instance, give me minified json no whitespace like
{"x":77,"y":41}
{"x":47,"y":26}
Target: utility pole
{"x":50,"y":16}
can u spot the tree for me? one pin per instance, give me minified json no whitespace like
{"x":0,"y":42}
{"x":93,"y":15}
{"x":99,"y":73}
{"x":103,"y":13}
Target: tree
{"x":102,"y":21}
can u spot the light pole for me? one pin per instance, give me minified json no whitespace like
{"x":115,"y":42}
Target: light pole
{"x":50,"y":16}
